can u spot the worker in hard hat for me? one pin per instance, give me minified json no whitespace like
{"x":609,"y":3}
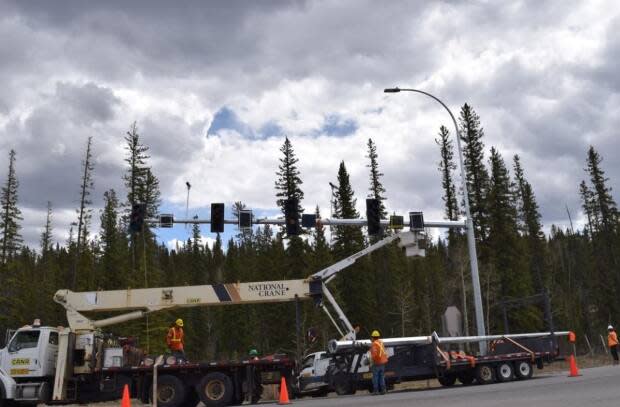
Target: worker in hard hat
{"x":378,"y":360}
{"x":612,"y":341}
{"x":176,"y":340}
{"x":253,"y":353}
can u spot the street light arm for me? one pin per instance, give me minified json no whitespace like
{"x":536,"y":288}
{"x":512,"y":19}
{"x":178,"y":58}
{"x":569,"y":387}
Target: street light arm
{"x":471,"y":239}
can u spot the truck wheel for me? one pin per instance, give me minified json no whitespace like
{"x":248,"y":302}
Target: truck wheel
{"x":523,"y":370}
{"x":447,"y":380}
{"x":343,"y":385}
{"x":485,"y":374}
{"x":192,"y":399}
{"x":504,"y":372}
{"x":466,"y":378}
{"x":215,"y":390}
{"x":171,"y":391}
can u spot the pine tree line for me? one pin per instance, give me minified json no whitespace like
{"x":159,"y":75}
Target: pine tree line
{"x":385,"y":291}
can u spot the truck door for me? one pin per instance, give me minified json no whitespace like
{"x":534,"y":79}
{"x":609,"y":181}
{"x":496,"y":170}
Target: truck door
{"x":48,"y":353}
{"x":22,"y":354}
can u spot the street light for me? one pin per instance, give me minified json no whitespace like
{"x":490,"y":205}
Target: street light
{"x":471,"y":240}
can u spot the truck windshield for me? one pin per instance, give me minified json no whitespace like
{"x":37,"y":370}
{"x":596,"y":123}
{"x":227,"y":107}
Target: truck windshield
{"x":24,"y":340}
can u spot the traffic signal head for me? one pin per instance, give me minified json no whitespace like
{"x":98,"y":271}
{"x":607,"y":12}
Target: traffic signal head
{"x":308,"y":220}
{"x":373,"y":216}
{"x":245,"y":219}
{"x":416,"y":221}
{"x":291,"y":216}
{"x":136,"y":219}
{"x":166,"y":220}
{"x":217,"y":217}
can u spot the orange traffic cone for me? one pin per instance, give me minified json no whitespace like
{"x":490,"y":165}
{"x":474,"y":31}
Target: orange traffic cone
{"x":283,"y":392}
{"x":574,"y":372}
{"x":126,"y":401}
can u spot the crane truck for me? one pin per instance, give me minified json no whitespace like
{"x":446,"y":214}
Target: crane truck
{"x":80,"y":363}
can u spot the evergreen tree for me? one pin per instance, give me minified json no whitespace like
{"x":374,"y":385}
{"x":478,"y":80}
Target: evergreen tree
{"x":514,"y":281}
{"x":288,"y":184}
{"x":113,"y":244}
{"x":377,"y":191}
{"x":10,"y":215}
{"x":446,"y":167}
{"x":530,"y":220}
{"x":589,"y":207}
{"x":84,"y":212}
{"x":46,"y":235}
{"x":605,"y":206}
{"x":476,"y":175}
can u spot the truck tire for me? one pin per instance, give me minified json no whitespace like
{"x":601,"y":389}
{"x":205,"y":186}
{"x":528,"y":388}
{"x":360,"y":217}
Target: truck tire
{"x":504,"y":372}
{"x":523,"y":370}
{"x":485,"y":374}
{"x":466,"y":378}
{"x":216,"y":390}
{"x":447,"y":380}
{"x":343,"y":385}
{"x":171,"y":391}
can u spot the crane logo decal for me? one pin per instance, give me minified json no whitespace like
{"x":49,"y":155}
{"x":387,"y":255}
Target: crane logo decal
{"x":230,"y":292}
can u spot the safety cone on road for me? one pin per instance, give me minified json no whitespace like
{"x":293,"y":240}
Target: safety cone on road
{"x":283,"y":393}
{"x":574,"y":372}
{"x":126,"y":401}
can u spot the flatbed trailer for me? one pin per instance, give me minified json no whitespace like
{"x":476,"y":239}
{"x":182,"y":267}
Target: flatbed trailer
{"x":214,"y":383}
{"x":423,"y":358}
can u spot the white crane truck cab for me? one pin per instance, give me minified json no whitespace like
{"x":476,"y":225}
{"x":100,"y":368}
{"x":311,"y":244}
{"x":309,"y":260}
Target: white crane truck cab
{"x":312,"y":374}
{"x":29,"y":360}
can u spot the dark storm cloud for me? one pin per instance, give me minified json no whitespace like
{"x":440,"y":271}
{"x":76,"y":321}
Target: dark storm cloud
{"x":544,"y":83}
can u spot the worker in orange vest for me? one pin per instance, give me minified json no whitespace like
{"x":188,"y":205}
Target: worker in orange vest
{"x":612,"y":341}
{"x":378,"y":360}
{"x":176,"y":340}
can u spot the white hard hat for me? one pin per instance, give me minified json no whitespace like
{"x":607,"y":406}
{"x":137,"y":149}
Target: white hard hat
{"x":610,"y":327}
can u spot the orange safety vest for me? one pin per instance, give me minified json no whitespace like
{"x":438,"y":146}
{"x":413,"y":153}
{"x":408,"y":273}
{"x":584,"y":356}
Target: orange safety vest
{"x":175,"y":338}
{"x":377,"y":353}
{"x":612,"y":339}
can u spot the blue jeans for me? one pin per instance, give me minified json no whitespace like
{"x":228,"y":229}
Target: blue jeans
{"x":378,"y":378}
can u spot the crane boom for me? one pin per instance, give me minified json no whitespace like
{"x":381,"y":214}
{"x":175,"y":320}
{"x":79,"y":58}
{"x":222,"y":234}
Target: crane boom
{"x":141,"y":301}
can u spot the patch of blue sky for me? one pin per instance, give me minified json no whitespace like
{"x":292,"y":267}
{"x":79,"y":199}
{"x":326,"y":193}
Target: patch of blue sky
{"x":338,"y":126}
{"x":227,"y":119}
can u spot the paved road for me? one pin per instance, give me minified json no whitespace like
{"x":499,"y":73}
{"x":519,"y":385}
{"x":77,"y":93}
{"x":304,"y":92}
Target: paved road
{"x":596,"y":387}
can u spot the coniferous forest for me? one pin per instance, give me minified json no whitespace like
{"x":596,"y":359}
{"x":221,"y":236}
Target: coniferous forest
{"x":577,"y":267}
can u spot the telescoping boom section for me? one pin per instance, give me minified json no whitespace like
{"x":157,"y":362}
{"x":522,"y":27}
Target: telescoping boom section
{"x":145,"y":300}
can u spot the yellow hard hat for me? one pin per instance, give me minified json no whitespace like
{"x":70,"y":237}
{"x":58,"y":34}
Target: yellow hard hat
{"x":179,"y":322}
{"x":375,"y":334}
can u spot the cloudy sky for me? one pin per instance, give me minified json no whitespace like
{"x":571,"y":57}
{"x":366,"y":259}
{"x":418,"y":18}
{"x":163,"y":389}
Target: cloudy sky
{"x":216,"y":86}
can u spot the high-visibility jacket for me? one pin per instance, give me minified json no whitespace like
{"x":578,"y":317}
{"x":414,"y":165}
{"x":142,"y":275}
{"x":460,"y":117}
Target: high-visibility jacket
{"x":377,"y":353}
{"x":612,"y":339}
{"x":174,"y":339}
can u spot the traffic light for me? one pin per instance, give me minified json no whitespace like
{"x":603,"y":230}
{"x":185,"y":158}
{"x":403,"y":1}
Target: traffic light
{"x":416,"y":221}
{"x":245,"y":219}
{"x":308,"y":220}
{"x":217,"y":217}
{"x":166,"y":220}
{"x":136,"y":219}
{"x":291,"y":216}
{"x":373,"y":216}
